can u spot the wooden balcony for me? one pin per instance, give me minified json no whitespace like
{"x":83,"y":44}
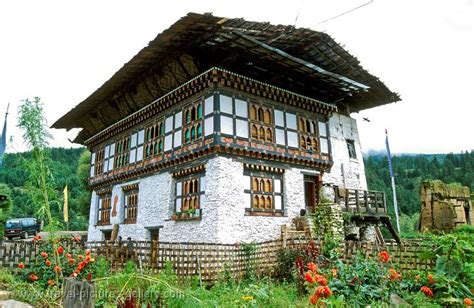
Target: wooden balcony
{"x":364,"y":202}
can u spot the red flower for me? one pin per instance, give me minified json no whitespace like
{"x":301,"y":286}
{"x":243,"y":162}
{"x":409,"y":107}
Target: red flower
{"x":314,"y":299}
{"x":37,"y":238}
{"x":88,"y":252}
{"x":47,"y":263}
{"x":323,"y":291}
{"x":309,"y":278}
{"x":431,"y":280}
{"x":468,"y":301}
{"x":426,"y":290}
{"x":51,"y":282}
{"x":60,"y":250}
{"x":89,"y":277}
{"x":68,"y":255}
{"x":21,"y":265}
{"x":44,"y":254}
{"x":81,"y":257}
{"x":384,"y":256}
{"x":321,"y":280}
{"x":33,"y":277}
{"x":312,"y":267}
{"x":57,"y":269}
{"x":71,"y":261}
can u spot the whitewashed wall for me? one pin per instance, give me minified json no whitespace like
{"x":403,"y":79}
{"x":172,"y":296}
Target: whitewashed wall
{"x":346,"y":170}
{"x":223,"y":208}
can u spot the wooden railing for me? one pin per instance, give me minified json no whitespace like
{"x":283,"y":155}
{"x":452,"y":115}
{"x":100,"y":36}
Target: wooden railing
{"x":361,"y":201}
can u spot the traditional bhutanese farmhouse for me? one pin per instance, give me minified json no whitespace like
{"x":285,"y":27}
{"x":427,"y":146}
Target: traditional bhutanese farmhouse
{"x":222,"y":130}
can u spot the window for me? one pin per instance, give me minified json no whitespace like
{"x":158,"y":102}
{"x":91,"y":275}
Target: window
{"x":154,"y":139}
{"x":103,"y":217}
{"x":323,"y":137}
{"x":192,"y":129}
{"x":261,"y":120}
{"x":264,"y":190}
{"x":92,"y":171}
{"x":234,"y":113}
{"x":351,"y":149}
{"x":308,"y":129}
{"x":189,"y":195}
{"x":131,"y":206}
{"x":122,"y":152}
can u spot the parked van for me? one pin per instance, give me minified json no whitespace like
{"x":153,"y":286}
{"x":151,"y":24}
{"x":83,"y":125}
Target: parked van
{"x":21,"y":227}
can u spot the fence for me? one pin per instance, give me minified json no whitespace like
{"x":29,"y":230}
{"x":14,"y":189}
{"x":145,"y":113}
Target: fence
{"x":211,"y":260}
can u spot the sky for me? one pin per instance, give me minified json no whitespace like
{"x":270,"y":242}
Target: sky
{"x":62,"y":51}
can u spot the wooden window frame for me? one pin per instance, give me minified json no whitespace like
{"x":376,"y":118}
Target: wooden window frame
{"x":351,"y":143}
{"x":154,"y":141}
{"x":268,"y":193}
{"x":104,"y":209}
{"x":261,"y":123}
{"x":308,"y":139}
{"x":193,"y":194}
{"x":122,"y":152}
{"x":99,"y":162}
{"x":193,"y":122}
{"x":130,"y":196}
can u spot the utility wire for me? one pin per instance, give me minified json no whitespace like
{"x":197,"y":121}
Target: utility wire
{"x":344,"y":13}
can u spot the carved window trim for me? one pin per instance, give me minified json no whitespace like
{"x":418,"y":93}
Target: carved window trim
{"x":104,"y":206}
{"x":154,"y":139}
{"x":265,"y":189}
{"x":99,"y":162}
{"x":189,"y":191}
{"x":261,"y":123}
{"x":122,"y":152}
{"x":130,"y":206}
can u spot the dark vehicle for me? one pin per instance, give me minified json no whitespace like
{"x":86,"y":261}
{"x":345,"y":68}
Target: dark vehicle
{"x":21,"y":227}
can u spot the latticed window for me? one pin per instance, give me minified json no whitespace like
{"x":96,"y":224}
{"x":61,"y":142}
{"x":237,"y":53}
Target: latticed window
{"x":131,"y":206}
{"x":192,"y":122}
{"x":122,"y":152}
{"x":99,"y":162}
{"x":154,"y":142}
{"x":104,"y":206}
{"x":261,"y":127}
{"x":308,"y":132}
{"x":190,"y":194}
{"x":264,"y":190}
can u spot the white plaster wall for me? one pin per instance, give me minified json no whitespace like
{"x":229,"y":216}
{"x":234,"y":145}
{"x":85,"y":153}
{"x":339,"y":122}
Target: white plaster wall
{"x":223,"y":208}
{"x":228,"y":195}
{"x":345,"y":170}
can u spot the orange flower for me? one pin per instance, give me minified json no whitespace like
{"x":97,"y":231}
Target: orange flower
{"x":426,"y":290}
{"x":417,"y":277}
{"x":37,"y":238}
{"x":468,"y":301}
{"x":309,"y":278}
{"x":314,"y":299}
{"x":384,"y":256}
{"x":394,"y":275}
{"x":80,"y":257}
{"x":33,"y":277}
{"x":57,"y":269}
{"x":51,"y":282}
{"x":71,"y":261}
{"x":47,"y":263}
{"x":44,"y":254}
{"x":334,"y":272}
{"x":21,"y":265}
{"x":88,"y":252}
{"x":60,"y":250}
{"x":68,"y":255}
{"x":312,"y":267}
{"x":431,"y":280}
{"x":321,"y":280}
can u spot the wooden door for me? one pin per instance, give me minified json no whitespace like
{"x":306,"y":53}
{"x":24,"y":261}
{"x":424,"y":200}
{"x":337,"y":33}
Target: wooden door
{"x":312,"y":185}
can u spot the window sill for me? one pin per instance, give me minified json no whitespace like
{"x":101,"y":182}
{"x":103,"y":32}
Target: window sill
{"x":268,"y":213}
{"x":130,"y":222}
{"x":103,"y":223}
{"x":187,"y":216}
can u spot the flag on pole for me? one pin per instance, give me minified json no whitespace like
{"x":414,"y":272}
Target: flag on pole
{"x":3,"y":138}
{"x":392,"y":178}
{"x":66,"y":209}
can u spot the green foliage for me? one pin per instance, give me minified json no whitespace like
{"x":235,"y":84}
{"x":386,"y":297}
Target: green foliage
{"x":411,"y":171}
{"x":249,"y":250}
{"x":5,"y":206}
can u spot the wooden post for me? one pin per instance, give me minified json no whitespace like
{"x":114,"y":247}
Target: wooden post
{"x":357,"y":200}
{"x":284,"y":235}
{"x":366,"y":201}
